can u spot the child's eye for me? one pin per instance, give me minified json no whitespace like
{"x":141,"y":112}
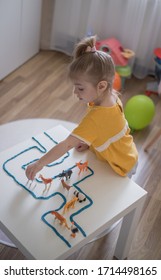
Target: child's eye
{"x":81,"y":89}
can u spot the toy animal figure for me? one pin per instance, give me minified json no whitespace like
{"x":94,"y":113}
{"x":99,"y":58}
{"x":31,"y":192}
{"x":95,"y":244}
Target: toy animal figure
{"x":81,"y":196}
{"x":82,"y":166}
{"x":60,"y":218}
{"x":46,"y":181}
{"x":65,"y":186}
{"x":70,"y":204}
{"x":67,"y":174}
{"x":74,"y":230}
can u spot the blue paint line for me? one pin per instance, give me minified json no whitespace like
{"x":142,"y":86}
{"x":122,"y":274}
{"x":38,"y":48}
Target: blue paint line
{"x":42,"y":149}
{"x":54,"y":229}
{"x":87,"y":197}
{"x":76,"y":213}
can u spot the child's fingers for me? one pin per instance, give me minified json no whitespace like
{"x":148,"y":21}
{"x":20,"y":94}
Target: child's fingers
{"x":30,"y":172}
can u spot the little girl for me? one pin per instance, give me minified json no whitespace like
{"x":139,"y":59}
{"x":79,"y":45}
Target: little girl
{"x":104,"y":128}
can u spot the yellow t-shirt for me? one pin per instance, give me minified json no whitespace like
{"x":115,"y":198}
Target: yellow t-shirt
{"x":106,"y":131}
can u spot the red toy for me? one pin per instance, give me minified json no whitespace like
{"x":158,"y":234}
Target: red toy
{"x":155,"y":87}
{"x":119,"y":54}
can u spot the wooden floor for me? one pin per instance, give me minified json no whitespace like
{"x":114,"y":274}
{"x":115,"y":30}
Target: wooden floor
{"x":39,"y":89}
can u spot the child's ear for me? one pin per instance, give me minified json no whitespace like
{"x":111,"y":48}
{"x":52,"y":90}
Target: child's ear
{"x":102,"y":86}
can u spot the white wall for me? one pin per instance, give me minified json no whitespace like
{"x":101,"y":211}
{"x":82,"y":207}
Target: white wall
{"x":20,"y":25}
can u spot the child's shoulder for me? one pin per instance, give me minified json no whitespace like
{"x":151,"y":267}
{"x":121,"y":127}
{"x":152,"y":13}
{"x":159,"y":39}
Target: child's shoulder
{"x":118,"y":101}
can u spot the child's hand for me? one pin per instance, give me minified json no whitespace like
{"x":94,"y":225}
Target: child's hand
{"x":81,"y":147}
{"x":32,"y":169}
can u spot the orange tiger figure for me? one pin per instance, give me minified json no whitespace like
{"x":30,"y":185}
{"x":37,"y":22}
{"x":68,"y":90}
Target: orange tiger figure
{"x":60,"y":218}
{"x":70,"y":204}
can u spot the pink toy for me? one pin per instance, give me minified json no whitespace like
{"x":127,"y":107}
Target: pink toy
{"x":119,"y":54}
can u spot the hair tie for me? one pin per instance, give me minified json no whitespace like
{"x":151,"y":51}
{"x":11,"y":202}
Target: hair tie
{"x":91,"y":49}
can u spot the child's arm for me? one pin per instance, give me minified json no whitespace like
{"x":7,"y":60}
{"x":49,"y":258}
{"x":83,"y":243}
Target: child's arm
{"x":81,"y":147}
{"x":55,"y":153}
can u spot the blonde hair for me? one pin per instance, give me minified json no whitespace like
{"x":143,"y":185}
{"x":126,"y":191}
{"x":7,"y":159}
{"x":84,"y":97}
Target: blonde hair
{"x":94,"y":65}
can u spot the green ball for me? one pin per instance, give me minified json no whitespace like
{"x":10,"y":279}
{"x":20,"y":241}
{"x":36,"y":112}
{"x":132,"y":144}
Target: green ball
{"x":139,"y":111}
{"x":123,"y":71}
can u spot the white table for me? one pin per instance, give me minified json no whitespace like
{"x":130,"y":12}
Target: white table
{"x":119,"y":198}
{"x":24,"y":129}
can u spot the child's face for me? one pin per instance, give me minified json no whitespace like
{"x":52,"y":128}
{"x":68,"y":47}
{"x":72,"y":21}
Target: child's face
{"x":85,"y":91}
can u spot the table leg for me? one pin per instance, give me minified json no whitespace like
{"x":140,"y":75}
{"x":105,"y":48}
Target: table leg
{"x":127,"y":231}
